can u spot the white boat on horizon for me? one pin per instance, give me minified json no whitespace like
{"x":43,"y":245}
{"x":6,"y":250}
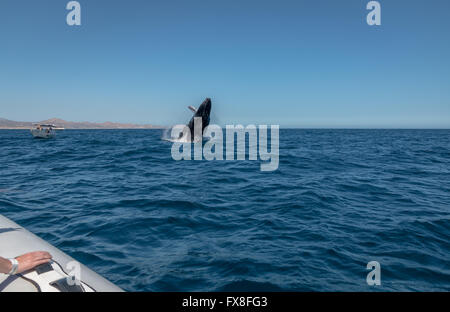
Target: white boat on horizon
{"x":43,"y":131}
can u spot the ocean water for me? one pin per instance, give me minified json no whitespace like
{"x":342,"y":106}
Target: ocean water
{"x":116,"y":201}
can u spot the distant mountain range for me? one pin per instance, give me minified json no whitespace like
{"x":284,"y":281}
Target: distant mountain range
{"x":10,"y":124}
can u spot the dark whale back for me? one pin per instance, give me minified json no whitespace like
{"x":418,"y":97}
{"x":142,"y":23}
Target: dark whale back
{"x":204,"y":112}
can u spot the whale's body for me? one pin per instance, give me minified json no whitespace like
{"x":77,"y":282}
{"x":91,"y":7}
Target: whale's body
{"x":202,"y":112}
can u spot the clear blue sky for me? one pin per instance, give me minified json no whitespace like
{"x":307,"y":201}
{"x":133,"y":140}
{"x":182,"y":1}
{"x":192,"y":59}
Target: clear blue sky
{"x":311,"y":63}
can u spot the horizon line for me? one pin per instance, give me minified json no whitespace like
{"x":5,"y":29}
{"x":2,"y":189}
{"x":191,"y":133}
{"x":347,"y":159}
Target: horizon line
{"x":162,"y":126}
{"x":281,"y":128}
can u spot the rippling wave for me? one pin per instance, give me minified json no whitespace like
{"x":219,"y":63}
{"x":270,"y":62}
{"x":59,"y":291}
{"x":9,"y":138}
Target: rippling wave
{"x":116,"y":201}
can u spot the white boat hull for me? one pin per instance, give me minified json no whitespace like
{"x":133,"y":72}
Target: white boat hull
{"x":43,"y":133}
{"x":15,"y":241}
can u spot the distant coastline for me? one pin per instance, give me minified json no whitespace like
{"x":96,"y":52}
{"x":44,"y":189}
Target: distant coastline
{"x":7,"y":124}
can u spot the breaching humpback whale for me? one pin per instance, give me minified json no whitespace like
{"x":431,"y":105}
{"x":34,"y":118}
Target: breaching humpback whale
{"x":202,"y":112}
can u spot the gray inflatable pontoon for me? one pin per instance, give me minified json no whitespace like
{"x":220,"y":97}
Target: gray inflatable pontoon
{"x":58,"y":276}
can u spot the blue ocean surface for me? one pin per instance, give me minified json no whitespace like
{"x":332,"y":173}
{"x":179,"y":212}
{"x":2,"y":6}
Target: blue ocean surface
{"x":116,"y":201}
